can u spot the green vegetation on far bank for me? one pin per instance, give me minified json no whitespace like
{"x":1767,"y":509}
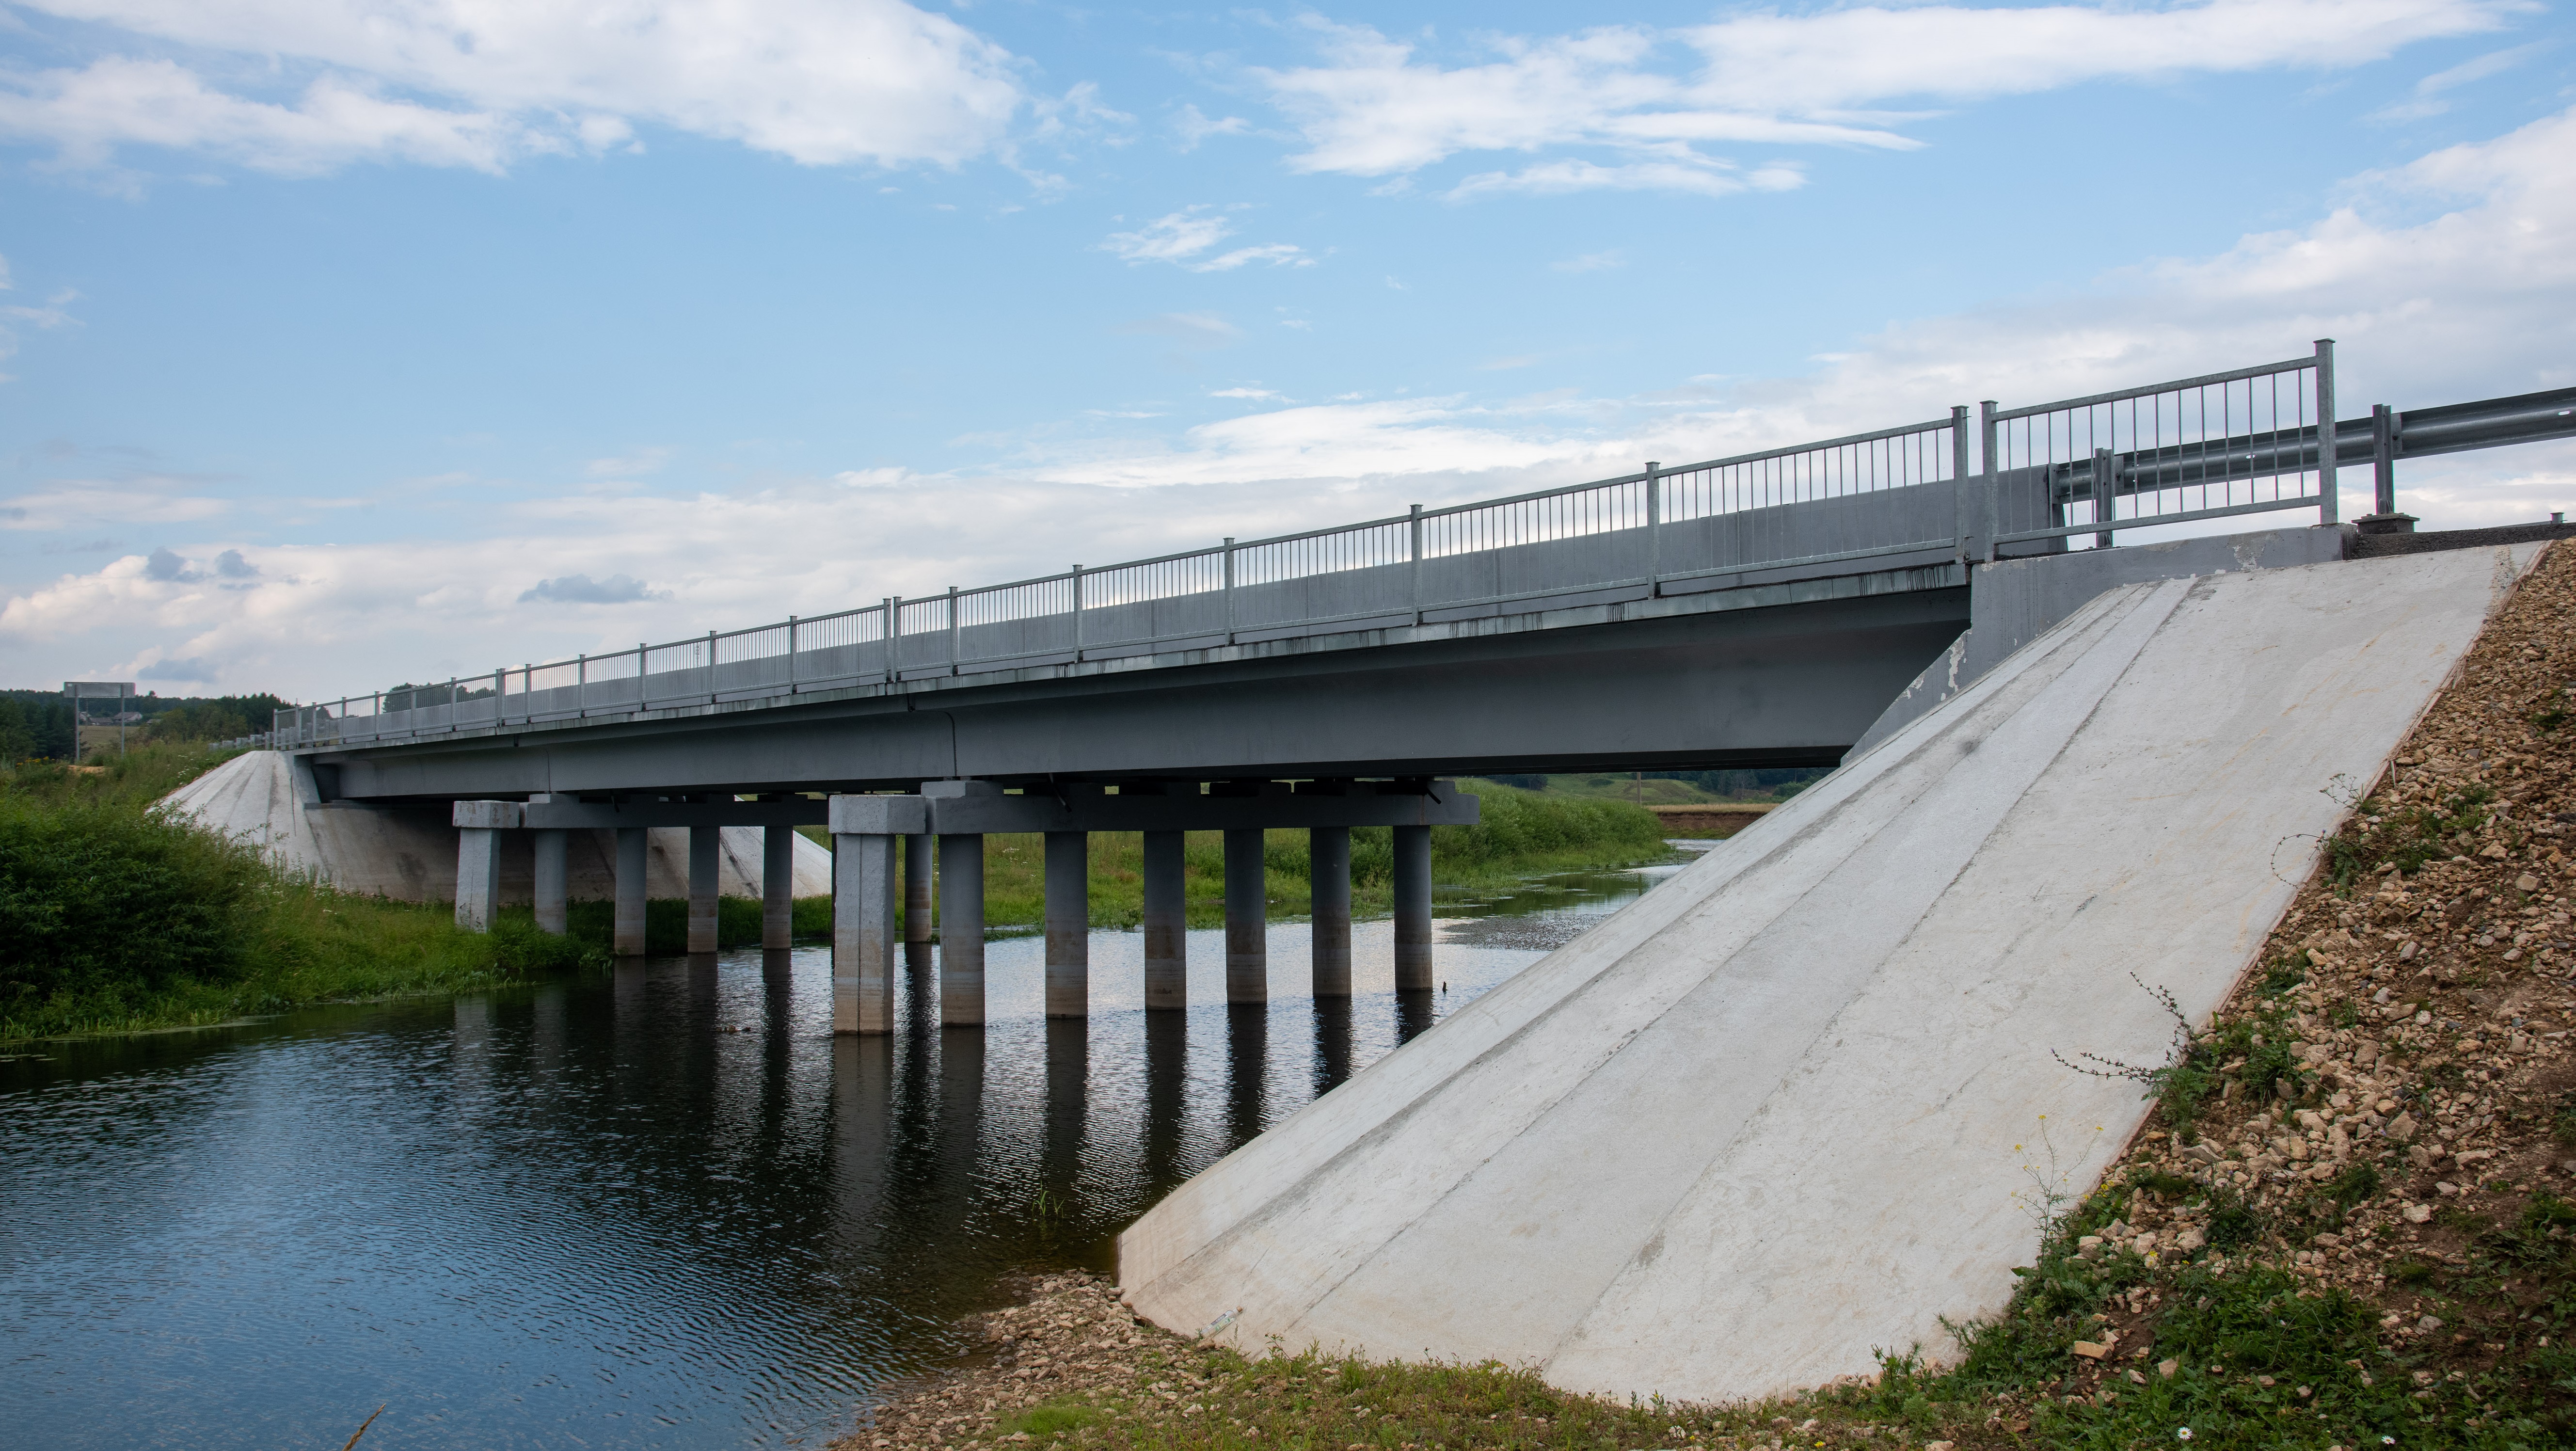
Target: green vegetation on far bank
{"x":117,"y":918}
{"x":121,"y":919}
{"x":1766,"y":785}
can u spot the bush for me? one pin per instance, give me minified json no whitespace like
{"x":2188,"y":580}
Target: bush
{"x":93,"y":893}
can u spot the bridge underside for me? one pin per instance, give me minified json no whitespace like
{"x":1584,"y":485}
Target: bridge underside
{"x":1657,"y":685}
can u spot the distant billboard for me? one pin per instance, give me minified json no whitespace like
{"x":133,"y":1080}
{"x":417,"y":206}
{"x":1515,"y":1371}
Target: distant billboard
{"x":101,"y":710}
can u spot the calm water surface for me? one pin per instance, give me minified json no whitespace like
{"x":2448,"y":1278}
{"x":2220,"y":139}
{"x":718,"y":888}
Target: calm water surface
{"x":660,"y":1208}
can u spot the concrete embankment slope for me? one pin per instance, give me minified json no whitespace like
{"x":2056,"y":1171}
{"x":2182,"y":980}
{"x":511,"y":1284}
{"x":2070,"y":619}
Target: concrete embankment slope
{"x":409,"y":854}
{"x":1776,"y":1114}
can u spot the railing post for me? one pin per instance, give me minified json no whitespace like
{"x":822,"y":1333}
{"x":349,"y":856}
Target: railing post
{"x":2329,"y":488}
{"x":1654,"y":529}
{"x":1229,"y":589}
{"x":1416,"y":558}
{"x":1077,"y":614}
{"x":2383,"y":459}
{"x":2106,"y":495}
{"x":953,"y":630}
{"x":1992,"y":504}
{"x":643,"y":674}
{"x":711,"y":667}
{"x":894,"y":639}
{"x":1960,"y":488}
{"x":500,"y":696}
{"x":791,"y":654}
{"x":581,"y":686}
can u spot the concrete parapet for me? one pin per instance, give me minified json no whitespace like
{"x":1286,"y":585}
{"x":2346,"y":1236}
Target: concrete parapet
{"x":1774,"y":1115}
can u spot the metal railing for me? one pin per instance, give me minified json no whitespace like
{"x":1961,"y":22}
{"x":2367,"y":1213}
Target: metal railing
{"x":2237,"y":442}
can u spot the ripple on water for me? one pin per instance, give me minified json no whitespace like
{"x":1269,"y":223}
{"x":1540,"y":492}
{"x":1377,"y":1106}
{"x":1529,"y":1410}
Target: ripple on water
{"x":595,"y":1214}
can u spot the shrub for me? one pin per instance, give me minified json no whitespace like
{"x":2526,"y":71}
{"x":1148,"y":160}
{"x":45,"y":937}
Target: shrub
{"x":94,"y":893}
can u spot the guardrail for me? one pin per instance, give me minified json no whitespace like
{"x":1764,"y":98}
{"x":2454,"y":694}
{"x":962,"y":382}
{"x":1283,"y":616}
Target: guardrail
{"x":2237,"y":442}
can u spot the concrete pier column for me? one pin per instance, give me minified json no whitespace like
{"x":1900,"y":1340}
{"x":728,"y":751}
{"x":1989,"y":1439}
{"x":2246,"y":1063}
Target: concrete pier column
{"x":550,"y":881}
{"x":961,"y":930}
{"x":917,"y":857}
{"x":479,"y":825}
{"x":1247,"y":919}
{"x":864,"y":829}
{"x":627,"y":940}
{"x":777,"y":888}
{"x":1413,"y":909}
{"x":1167,"y":922}
{"x":1068,"y":924}
{"x":1328,"y":856}
{"x":705,"y":843}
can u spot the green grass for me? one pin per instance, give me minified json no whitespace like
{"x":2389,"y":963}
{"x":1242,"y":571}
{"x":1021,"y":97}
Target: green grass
{"x":121,"y":919}
{"x":1521,"y":834}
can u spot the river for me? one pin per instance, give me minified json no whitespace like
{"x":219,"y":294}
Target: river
{"x":663,"y":1207}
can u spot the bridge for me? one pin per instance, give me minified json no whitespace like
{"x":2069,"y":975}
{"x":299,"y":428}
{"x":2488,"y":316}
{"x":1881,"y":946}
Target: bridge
{"x":1761,"y":609}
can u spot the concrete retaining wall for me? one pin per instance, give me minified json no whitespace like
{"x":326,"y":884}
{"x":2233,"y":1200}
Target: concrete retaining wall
{"x":1784,"y":1109}
{"x":409,"y":854}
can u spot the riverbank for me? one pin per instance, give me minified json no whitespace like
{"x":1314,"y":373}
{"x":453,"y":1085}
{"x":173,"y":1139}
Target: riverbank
{"x":2348,"y":1221}
{"x":119,"y":920}
{"x":123,"y":921}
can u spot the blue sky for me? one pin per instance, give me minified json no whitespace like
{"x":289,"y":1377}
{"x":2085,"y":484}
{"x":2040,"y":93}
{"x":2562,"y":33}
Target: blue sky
{"x":351,"y":341}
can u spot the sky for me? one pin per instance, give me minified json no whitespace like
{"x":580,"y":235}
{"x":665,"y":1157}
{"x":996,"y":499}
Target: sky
{"x":352,"y":342}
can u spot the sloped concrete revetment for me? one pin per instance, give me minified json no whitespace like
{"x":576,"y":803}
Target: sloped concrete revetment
{"x":1776,"y":1114}
{"x":410,"y":854}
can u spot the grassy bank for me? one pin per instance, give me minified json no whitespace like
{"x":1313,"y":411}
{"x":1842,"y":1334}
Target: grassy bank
{"x":1522,"y":834}
{"x":118,"y":919}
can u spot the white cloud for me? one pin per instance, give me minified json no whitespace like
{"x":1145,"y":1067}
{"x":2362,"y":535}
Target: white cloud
{"x":1372,"y":108}
{"x":1245,"y":393}
{"x":641,"y":461}
{"x":819,"y":81}
{"x":72,"y":503}
{"x":51,"y":314}
{"x":1193,"y":126}
{"x":2428,"y":91}
{"x":1593,"y":261}
{"x":2450,"y":278}
{"x":117,"y":102}
{"x":1180,"y":237}
{"x":1192,"y":329}
{"x":1689,"y":172}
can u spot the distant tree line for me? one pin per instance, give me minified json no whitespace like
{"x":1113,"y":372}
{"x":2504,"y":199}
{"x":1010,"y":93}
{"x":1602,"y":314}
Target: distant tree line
{"x":1778,"y":783}
{"x":37,"y":724}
